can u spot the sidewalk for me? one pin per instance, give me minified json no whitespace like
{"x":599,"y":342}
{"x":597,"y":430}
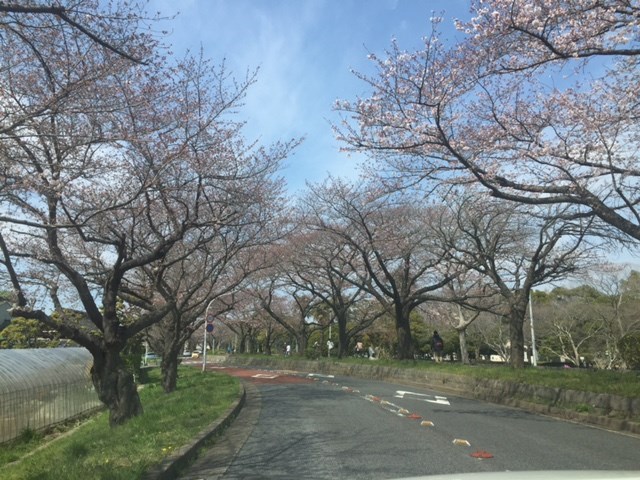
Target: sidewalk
{"x":169,"y":468}
{"x":214,"y":462}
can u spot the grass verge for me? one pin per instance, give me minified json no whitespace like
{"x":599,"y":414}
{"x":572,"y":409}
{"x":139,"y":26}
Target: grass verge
{"x":96,"y":451}
{"x":626,"y":384}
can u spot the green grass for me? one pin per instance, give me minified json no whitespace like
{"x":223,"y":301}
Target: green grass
{"x":96,"y":451}
{"x":28,"y":441}
{"x":626,"y":384}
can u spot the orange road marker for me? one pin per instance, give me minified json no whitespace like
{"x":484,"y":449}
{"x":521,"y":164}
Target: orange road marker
{"x":481,"y":454}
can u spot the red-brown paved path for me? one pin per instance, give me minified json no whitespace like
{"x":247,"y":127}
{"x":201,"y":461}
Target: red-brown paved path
{"x":264,"y":376}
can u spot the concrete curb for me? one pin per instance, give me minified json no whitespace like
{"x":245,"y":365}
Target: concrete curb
{"x":170,"y":466}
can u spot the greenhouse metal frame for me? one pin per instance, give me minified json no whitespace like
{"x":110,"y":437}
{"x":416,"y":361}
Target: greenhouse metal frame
{"x":40,"y":388}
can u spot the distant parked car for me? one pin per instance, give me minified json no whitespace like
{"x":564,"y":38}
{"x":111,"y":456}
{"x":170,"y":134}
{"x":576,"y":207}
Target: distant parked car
{"x":151,"y":357}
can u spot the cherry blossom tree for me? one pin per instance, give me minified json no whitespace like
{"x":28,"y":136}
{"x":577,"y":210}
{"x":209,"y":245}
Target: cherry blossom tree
{"x":254,"y":328}
{"x":238,"y":329}
{"x":21,"y":20}
{"x":206,"y":273}
{"x":74,"y":177}
{"x":198,"y":283}
{"x":529,"y":35}
{"x":515,"y":250}
{"x":400,"y":263}
{"x":538,"y":104}
{"x":107,"y":165}
{"x":468,"y":296}
{"x":35,"y":36}
{"x":323,"y":265}
{"x":241,"y":213}
{"x":289,"y":304}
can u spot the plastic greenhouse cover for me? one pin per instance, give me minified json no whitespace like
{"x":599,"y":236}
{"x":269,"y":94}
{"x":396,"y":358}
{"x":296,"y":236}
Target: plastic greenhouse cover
{"x":23,"y":368}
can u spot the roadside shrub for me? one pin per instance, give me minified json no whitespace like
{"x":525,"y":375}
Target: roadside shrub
{"x":629,"y":347}
{"x":132,"y":355}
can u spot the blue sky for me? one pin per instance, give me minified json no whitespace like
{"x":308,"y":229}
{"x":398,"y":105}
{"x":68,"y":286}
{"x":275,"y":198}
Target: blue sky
{"x":305,"y":50}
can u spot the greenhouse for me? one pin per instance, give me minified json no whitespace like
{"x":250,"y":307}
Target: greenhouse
{"x":42,"y":387}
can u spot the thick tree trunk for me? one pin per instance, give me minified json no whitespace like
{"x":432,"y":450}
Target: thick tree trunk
{"x":343,"y":339}
{"x":169,"y":368}
{"x":243,"y":343}
{"x":464,"y":353}
{"x":301,"y":338}
{"x":267,"y":343}
{"x":115,"y":386}
{"x":516,"y":334}
{"x":403,"y":331}
{"x":463,"y":324}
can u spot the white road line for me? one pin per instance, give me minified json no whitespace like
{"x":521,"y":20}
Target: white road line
{"x":264,"y":375}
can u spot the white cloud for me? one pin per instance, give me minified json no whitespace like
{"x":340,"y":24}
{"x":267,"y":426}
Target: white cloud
{"x":305,"y":50}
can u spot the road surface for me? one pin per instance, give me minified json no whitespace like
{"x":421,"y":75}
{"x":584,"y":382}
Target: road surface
{"x":306,"y":425}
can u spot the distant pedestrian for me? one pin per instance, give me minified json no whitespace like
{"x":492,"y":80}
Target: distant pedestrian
{"x":288,"y":350}
{"x":437,"y":346}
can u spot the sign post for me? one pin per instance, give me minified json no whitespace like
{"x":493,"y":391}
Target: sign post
{"x":208,"y":328}
{"x":204,"y":349}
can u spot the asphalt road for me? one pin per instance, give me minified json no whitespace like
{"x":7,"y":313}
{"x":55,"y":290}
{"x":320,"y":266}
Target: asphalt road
{"x":297,"y":425}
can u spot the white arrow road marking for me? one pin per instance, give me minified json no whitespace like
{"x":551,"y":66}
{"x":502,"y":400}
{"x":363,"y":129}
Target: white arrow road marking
{"x":319,"y":375}
{"x":421,"y":396}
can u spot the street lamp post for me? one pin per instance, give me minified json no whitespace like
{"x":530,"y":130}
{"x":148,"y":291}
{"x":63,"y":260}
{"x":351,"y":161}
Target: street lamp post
{"x":534,"y":352}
